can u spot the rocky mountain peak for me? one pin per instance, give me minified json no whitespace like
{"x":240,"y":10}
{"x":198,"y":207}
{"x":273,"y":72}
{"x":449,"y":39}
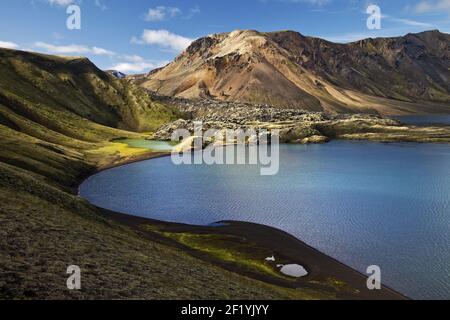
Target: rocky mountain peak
{"x":289,"y":70}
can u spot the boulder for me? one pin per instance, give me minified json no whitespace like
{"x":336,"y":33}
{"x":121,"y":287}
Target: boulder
{"x":314,"y":140}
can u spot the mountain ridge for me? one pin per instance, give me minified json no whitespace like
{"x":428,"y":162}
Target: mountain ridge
{"x":398,"y":75}
{"x":38,"y":86}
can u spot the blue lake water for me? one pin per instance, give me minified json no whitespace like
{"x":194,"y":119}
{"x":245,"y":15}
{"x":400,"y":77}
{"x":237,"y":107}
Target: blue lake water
{"x":425,"y":120}
{"x":359,"y":202}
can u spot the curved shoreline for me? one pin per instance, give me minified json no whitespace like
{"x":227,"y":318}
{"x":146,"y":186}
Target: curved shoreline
{"x":286,"y":245}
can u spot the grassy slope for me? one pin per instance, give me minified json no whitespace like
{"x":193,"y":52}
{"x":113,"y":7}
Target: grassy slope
{"x":44,"y":230}
{"x":53,"y":113}
{"x":38,"y":85}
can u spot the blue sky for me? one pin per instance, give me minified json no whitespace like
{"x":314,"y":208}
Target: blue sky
{"x":136,"y":35}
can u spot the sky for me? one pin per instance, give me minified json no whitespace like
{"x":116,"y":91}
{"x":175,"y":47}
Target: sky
{"x":135,"y":36}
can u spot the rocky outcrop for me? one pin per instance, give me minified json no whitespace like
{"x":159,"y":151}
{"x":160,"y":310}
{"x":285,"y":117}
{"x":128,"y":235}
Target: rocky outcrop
{"x":294,"y":126}
{"x":314,"y":140}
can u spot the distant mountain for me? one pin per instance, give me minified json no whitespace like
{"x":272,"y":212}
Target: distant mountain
{"x":401,"y":75}
{"x":117,"y":74}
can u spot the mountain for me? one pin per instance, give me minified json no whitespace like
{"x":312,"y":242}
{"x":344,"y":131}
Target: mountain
{"x":54,"y":110}
{"x":285,"y":69}
{"x":117,"y":74}
{"x":57,"y":92}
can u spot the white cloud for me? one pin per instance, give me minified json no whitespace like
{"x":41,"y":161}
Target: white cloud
{"x":66,"y":3}
{"x":8,"y":45}
{"x":102,"y":52}
{"x":408,"y":22}
{"x":68,"y":49}
{"x":138,"y":66}
{"x":164,"y":39}
{"x":73,"y":49}
{"x":127,"y":67}
{"x":125,"y":63}
{"x":57,"y":36}
{"x":413,"y":23}
{"x":313,"y":2}
{"x":192,"y":12}
{"x":61,"y":3}
{"x":100,"y":4}
{"x":432,"y":6}
{"x":133,"y":58}
{"x":161,"y":13}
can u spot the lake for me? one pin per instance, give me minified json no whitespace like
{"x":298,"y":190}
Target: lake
{"x":362,"y":203}
{"x":422,"y":120}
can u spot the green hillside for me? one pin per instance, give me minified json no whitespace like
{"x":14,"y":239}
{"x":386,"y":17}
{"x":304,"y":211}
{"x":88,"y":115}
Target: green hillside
{"x":58,"y":119}
{"x":55,"y":110}
{"x":57,"y":91}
